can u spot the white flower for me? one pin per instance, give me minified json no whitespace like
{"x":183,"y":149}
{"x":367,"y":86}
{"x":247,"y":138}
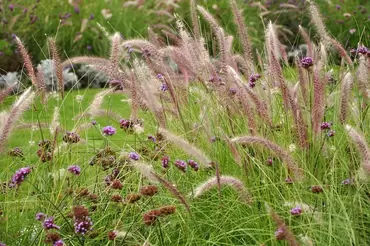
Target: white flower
{"x":79,"y":98}
{"x":138,"y":129}
{"x":292,"y":147}
{"x":34,"y":128}
{"x":107,"y":14}
{"x":31,"y":142}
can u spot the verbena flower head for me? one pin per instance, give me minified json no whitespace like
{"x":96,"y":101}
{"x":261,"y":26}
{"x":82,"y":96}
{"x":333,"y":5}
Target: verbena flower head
{"x":326,"y":125}
{"x":164,"y":87}
{"x":330,"y":133}
{"x":40,"y":216}
{"x":165,"y":161}
{"x":91,"y":17}
{"x":160,"y":76}
{"x":269,"y":161}
{"x":362,"y":50}
{"x":296,"y":211}
{"x":306,"y":62}
{"x":180,"y":164}
{"x":71,"y":137}
{"x":152,"y":138}
{"x":93,"y":122}
{"x":11,"y":7}
{"x":74,"y":169}
{"x":112,"y":235}
{"x":280,"y":234}
{"x":77,"y":10}
{"x":2,"y":244}
{"x":109,"y":130}
{"x":253,"y":78}
{"x":49,"y":224}
{"x":193,"y":165}
{"x":19,"y":176}
{"x":232,"y":91}
{"x":82,"y":226}
{"x":89,"y":47}
{"x":58,"y":243}
{"x":134,"y":156}
{"x":348,"y":181}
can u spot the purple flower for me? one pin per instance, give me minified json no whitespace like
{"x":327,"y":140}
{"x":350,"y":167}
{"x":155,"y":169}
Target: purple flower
{"x":215,"y":78}
{"x":89,"y":47}
{"x":165,"y":161}
{"x":338,"y":6}
{"x":134,"y":156}
{"x":49,"y":224}
{"x":180,"y":164}
{"x":19,"y":176}
{"x":289,"y":180}
{"x":232,"y":91}
{"x":83,"y":226}
{"x":362,"y":50}
{"x":74,"y":169}
{"x":2,"y":244}
{"x":193,"y":165}
{"x":14,"y":36}
{"x":77,"y":10}
{"x":93,"y":122}
{"x":58,"y":243}
{"x":348,"y":181}
{"x":164,"y":87}
{"x":109,"y":130}
{"x":1,"y":53}
{"x":91,"y":17}
{"x":306,"y":62}
{"x":296,"y":211}
{"x":252,"y":84}
{"x":253,"y":78}
{"x":269,"y":161}
{"x":40,"y":216}
{"x":160,"y":76}
{"x":151,"y":138}
{"x":280,"y":233}
{"x":330,"y":133}
{"x":326,"y":125}
{"x":11,"y":7}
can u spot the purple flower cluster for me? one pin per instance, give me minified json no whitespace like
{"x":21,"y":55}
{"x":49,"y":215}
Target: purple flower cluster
{"x":19,"y":176}
{"x":180,"y":164}
{"x":82,"y":226}
{"x":348,"y":181}
{"x":93,"y":122}
{"x":40,"y":216}
{"x":74,"y":169}
{"x":269,"y":161}
{"x":307,"y":62}
{"x":58,"y":243}
{"x":326,"y":125}
{"x":280,"y":233}
{"x":164,"y":87}
{"x":296,"y":211}
{"x":215,"y":78}
{"x":330,"y":133}
{"x":253,"y":79}
{"x":48,"y":224}
{"x":2,"y":244}
{"x":109,"y":130}
{"x":165,"y":161}
{"x":160,"y":76}
{"x":151,"y":138}
{"x":193,"y":164}
{"x":232,"y":91}
{"x":361,"y":50}
{"x":134,"y":156}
